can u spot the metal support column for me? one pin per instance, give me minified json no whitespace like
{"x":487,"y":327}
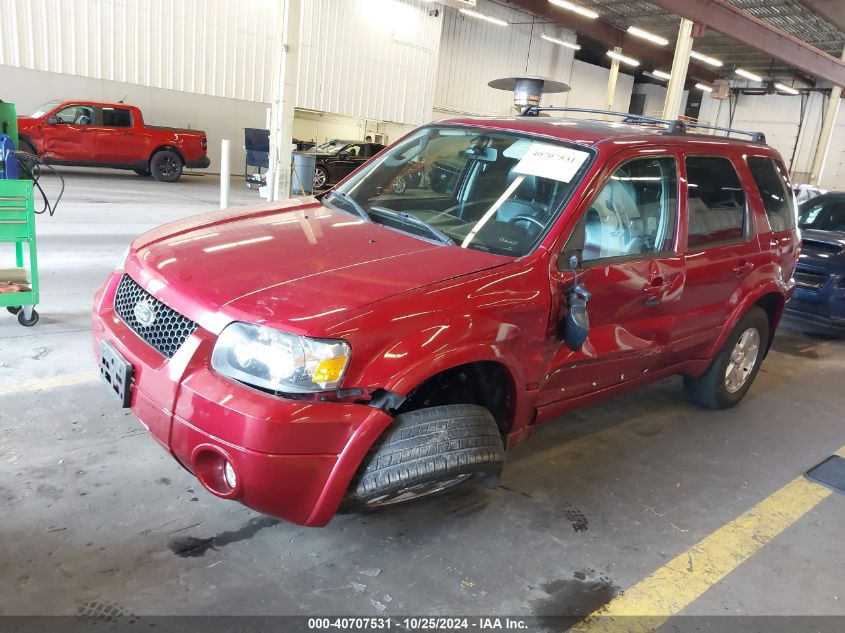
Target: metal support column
{"x":612,"y":79}
{"x":284,"y":80}
{"x":828,"y":125}
{"x":680,"y":65}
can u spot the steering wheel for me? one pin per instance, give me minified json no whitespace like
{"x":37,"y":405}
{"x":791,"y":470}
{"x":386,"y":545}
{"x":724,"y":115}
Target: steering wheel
{"x":529,"y":219}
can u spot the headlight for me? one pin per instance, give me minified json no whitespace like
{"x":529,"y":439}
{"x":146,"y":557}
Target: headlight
{"x":274,"y":360}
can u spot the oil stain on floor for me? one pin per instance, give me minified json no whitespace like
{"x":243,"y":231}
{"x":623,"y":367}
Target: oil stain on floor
{"x":193,"y":547}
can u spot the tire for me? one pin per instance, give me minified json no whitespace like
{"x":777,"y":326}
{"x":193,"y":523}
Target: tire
{"x":142,"y":172}
{"x":321,"y":178}
{"x":166,"y":166}
{"x":716,"y":389}
{"x":428,"y":451}
{"x":27,"y":322}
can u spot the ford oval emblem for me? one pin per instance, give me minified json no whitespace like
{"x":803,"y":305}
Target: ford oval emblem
{"x":145,"y":314}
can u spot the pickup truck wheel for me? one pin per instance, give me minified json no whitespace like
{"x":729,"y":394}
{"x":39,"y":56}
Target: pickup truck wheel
{"x":166,"y":166}
{"x":730,"y":375}
{"x":142,"y":172}
{"x":426,"y":452}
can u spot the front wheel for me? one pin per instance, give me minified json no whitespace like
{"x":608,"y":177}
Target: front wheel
{"x":166,"y":166}
{"x":733,"y":370}
{"x":426,"y":452}
{"x":400,"y":184}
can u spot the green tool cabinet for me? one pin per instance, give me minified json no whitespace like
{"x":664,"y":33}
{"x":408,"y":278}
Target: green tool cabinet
{"x":17,"y":226}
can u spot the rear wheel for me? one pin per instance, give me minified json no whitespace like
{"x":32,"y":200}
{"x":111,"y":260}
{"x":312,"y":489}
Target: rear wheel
{"x":426,"y":452}
{"x":733,"y":370}
{"x":321,"y":177}
{"x":166,"y":166}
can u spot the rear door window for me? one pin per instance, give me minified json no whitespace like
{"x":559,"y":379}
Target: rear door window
{"x":117,"y":117}
{"x":715,"y":202}
{"x":776,"y":195}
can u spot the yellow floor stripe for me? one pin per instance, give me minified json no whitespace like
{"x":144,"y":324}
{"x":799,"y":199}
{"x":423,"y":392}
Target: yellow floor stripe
{"x":678,"y":583}
{"x":40,"y":384}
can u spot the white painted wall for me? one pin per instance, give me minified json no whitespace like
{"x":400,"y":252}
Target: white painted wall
{"x":369,"y":59}
{"x":778,"y":116}
{"x":474,"y":52}
{"x":211,"y":47}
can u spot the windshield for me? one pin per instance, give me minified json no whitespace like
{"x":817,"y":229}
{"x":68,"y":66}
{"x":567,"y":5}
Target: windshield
{"x":823,"y":214}
{"x":329,"y":147}
{"x":44,"y":109}
{"x":486,"y":190}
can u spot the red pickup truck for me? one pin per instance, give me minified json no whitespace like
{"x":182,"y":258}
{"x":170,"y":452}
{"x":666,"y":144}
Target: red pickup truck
{"x":94,"y":134}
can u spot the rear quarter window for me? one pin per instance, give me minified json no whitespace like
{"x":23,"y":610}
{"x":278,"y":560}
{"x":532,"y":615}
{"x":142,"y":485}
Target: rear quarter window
{"x":774,"y":191}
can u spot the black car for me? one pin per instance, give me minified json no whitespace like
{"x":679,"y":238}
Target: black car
{"x":336,"y":159}
{"x":819,"y":298}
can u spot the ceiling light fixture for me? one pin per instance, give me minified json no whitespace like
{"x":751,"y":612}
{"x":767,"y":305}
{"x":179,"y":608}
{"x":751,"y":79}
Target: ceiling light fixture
{"x":661,"y":74}
{"x":554,"y":40}
{"x":622,"y":58}
{"x":485,"y":17}
{"x":651,"y":37}
{"x":571,"y":6}
{"x":705,"y":58}
{"x":704,"y":88}
{"x":748,"y":75}
{"x":787,"y":89}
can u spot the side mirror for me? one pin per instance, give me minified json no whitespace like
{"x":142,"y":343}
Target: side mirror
{"x":52,"y":120}
{"x":343,"y":155}
{"x":577,"y":326}
{"x":570,"y":260}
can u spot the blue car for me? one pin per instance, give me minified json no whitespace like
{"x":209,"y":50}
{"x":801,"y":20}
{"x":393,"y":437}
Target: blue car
{"x":819,"y":299}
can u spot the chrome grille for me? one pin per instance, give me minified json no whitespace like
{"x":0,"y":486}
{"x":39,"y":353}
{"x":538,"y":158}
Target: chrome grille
{"x":809,"y":279}
{"x":169,"y":329}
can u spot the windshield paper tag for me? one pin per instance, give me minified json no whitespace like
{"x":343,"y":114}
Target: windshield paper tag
{"x":551,"y":161}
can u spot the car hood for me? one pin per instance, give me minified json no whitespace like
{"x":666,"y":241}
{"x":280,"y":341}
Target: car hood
{"x":823,"y":249}
{"x":26,"y":121}
{"x":298,"y":267}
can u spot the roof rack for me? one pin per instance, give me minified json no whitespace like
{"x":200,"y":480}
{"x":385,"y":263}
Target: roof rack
{"x":676,"y":126}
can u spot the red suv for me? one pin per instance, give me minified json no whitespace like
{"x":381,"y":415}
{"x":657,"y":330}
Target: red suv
{"x":367,"y":347}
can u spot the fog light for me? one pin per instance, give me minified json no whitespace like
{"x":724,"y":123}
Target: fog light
{"x":230,"y":476}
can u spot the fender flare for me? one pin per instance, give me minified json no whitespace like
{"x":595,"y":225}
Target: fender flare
{"x":379,"y":421}
{"x":166,"y":147}
{"x":772,"y":287}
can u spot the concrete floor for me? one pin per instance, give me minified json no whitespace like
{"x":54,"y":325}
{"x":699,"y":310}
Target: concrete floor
{"x":94,"y":512}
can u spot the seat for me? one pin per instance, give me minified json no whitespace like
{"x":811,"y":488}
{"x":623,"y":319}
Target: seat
{"x":525,"y":200}
{"x":612,"y":226}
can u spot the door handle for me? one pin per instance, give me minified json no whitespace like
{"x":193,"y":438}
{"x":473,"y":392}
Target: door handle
{"x":743,"y":268}
{"x":126,"y":133}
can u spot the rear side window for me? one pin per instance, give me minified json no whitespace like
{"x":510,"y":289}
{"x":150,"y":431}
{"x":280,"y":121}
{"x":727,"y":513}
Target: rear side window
{"x":116,"y":117}
{"x":715,"y":202}
{"x":777,"y":198}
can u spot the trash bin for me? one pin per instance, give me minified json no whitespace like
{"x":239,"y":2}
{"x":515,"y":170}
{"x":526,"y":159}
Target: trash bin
{"x":302,"y":178}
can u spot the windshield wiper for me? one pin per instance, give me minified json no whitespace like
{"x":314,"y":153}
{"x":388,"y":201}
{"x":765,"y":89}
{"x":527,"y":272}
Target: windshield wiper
{"x":359,"y":210}
{"x":408,"y":218}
